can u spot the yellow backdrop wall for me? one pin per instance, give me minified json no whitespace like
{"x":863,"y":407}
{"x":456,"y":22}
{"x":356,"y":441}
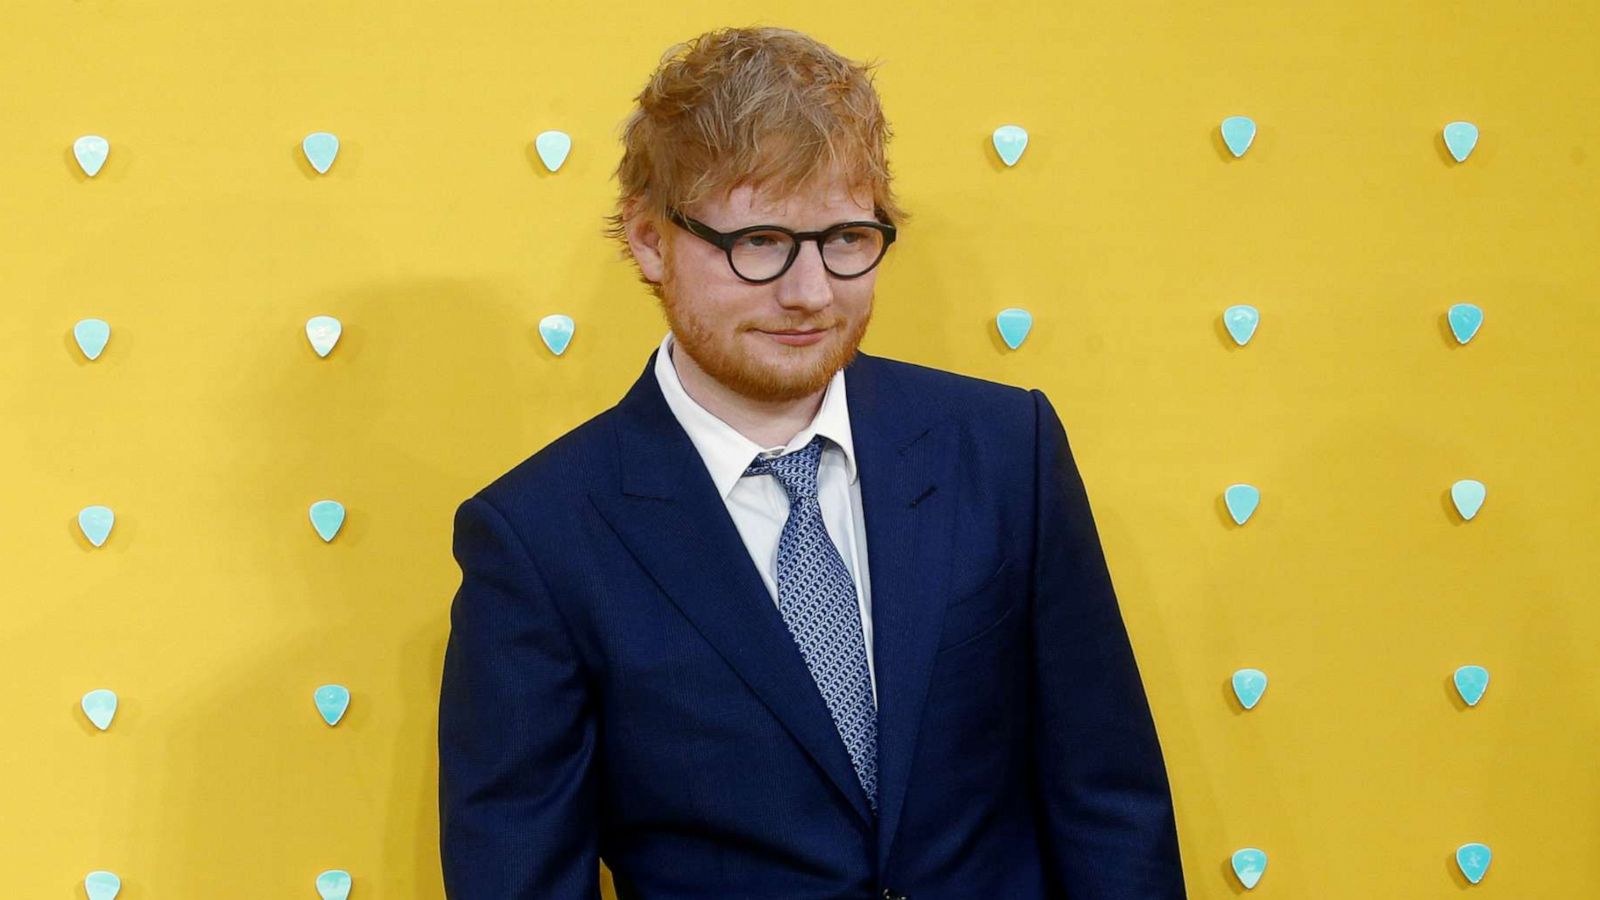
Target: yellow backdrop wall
{"x":210,"y":426}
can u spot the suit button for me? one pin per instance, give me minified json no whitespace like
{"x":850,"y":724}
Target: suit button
{"x":891,"y":895}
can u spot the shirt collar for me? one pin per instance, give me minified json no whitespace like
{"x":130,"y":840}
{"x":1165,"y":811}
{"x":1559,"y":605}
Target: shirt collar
{"x":726,"y":452}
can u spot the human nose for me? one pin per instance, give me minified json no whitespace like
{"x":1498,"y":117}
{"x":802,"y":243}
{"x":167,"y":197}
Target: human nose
{"x":806,"y":285}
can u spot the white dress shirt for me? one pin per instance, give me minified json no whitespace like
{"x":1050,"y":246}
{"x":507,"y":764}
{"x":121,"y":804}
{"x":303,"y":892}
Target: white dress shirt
{"x":759,"y":505}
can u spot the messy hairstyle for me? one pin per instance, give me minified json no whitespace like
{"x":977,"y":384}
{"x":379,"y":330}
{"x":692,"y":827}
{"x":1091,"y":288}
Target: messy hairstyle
{"x":768,"y":107}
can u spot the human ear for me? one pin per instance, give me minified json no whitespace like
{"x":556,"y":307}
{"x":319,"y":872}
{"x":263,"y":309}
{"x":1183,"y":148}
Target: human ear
{"x":645,"y":240}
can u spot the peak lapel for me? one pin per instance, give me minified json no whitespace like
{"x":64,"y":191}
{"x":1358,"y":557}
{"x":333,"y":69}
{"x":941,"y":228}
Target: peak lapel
{"x":905,"y":458}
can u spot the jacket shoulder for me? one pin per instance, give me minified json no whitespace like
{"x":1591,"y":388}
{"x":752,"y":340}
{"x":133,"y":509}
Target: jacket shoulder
{"x":559,"y":471}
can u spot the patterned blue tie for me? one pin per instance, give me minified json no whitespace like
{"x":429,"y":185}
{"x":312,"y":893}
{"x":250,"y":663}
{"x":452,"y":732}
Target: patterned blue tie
{"x":817,"y":599}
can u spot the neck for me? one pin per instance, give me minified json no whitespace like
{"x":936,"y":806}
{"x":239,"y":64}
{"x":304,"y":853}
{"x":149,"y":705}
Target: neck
{"x":767,"y":423}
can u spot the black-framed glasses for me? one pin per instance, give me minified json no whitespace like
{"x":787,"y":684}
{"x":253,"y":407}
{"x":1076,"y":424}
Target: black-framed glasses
{"x":762,"y":253}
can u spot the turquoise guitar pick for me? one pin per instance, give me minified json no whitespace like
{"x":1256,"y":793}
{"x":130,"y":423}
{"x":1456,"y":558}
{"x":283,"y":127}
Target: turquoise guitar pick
{"x":1242,"y":500}
{"x":91,"y":151}
{"x":102,"y":885}
{"x":1014,"y":325}
{"x":1460,"y":138}
{"x":332,"y":700}
{"x":1473,"y":860}
{"x":1248,"y":685}
{"x":553,"y":147}
{"x":1009,"y":142}
{"x":91,"y":335}
{"x":100,"y":705}
{"x":1238,"y":132}
{"x":1241,"y":321}
{"x":1468,"y":497}
{"x":327,"y":516}
{"x":323,"y":332}
{"x":1471,"y":682}
{"x":320,"y":148}
{"x":1465,"y":320}
{"x":1249,"y":864}
{"x":556,"y":332}
{"x":334,"y":884}
{"x":95,"y":522}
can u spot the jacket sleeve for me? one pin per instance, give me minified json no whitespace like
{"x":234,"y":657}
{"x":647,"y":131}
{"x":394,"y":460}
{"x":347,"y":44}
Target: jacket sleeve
{"x":1104,"y":804}
{"x":517,"y":732}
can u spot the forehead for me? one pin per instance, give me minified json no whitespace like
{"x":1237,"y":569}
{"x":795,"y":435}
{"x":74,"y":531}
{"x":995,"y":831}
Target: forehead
{"x":824,"y":200}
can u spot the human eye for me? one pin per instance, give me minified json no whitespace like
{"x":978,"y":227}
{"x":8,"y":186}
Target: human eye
{"x":761,"y":240}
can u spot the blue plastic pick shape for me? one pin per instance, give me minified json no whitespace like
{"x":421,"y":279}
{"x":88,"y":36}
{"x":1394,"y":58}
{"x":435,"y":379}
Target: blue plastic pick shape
{"x":332,"y":700}
{"x":556,"y":332}
{"x":1241,"y":321}
{"x":95,"y":522}
{"x":1473,"y":860}
{"x":102,"y":885}
{"x":1249,"y":864}
{"x":320,"y":147}
{"x":91,"y":151}
{"x":1014,"y":325}
{"x":323,"y":332}
{"x":1460,"y":138}
{"x":1242,"y":500}
{"x":1009,"y":142}
{"x":100,"y":705}
{"x":1238,"y":132}
{"x":1471,"y":682}
{"x":553,"y":147}
{"x":1465,"y":320}
{"x":91,"y":335}
{"x":1248,"y":685}
{"x":1468,"y":495}
{"x":334,"y":884}
{"x":327,"y":516}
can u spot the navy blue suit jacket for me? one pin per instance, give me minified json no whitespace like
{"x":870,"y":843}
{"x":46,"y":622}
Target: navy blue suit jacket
{"x":619,"y":685}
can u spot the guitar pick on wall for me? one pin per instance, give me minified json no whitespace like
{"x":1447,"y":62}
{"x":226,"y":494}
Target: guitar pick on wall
{"x":95,"y":522}
{"x":100,"y":705}
{"x":1248,"y":686}
{"x":327,"y":517}
{"x":1009,"y":141}
{"x":1465,"y":319}
{"x":333,"y":884}
{"x":102,"y":885}
{"x":1238,"y":133}
{"x":331,"y":701}
{"x":552,"y":147}
{"x":556,"y":332}
{"x":1471,"y":682}
{"x":323,"y":333}
{"x":1249,"y":864}
{"x":1473,"y":860}
{"x":320,"y":148}
{"x":91,"y":336}
{"x":1014,"y":325}
{"x":1468,"y":495}
{"x":1460,"y":138}
{"x":1241,"y":322}
{"x":91,"y":151}
{"x":1241,"y":500}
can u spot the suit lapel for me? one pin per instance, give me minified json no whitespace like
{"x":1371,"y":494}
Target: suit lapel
{"x":671,"y":518}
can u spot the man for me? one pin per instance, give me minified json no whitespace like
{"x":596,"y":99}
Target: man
{"x":790,"y":620}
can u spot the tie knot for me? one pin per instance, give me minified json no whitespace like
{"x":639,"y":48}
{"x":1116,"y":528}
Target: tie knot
{"x":796,"y":471}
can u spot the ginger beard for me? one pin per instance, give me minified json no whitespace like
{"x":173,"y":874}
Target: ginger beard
{"x":751,"y":364}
